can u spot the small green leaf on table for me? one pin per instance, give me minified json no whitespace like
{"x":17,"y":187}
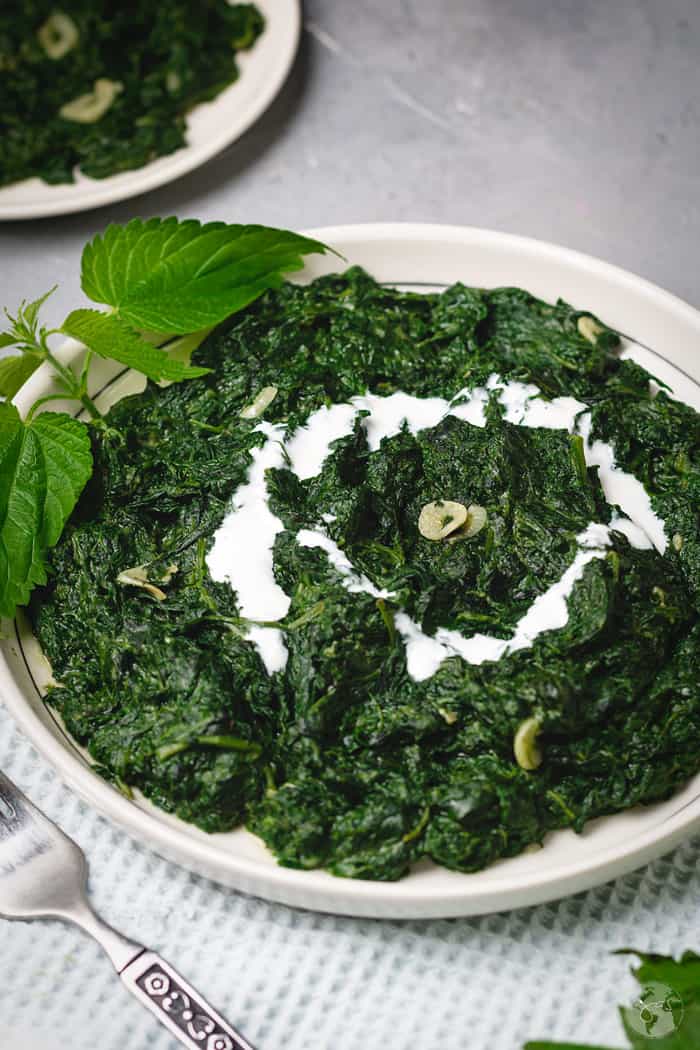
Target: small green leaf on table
{"x":674,"y":1014}
{"x":666,"y":1014}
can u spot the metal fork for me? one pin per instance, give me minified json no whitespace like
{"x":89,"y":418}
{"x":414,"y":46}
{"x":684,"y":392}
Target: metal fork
{"x":43,"y":874}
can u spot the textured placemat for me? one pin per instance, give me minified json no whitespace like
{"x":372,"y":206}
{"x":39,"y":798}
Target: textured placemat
{"x":292,"y":980}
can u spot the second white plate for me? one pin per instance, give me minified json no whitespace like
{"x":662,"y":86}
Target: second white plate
{"x":211,"y":127}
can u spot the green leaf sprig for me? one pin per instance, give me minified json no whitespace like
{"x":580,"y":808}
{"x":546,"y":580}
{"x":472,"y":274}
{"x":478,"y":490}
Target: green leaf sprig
{"x":666,"y":1013}
{"x":166,"y":283}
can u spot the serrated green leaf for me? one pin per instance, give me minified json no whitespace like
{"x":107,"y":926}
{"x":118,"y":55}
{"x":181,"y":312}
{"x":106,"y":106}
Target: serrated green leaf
{"x":664,"y":975}
{"x":7,"y":340}
{"x":682,"y":975}
{"x":44,"y":466}
{"x":174,"y":277}
{"x":111,"y":337}
{"x":657,"y":1020}
{"x":30,"y":311}
{"x":15,"y":371}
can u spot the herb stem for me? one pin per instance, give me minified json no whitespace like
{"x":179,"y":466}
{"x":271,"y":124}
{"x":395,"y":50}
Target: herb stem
{"x":74,"y":387}
{"x":91,"y":408}
{"x":312,"y":613}
{"x":241,"y":622}
{"x":86,"y":368}
{"x":419,"y":828}
{"x":387,"y":616}
{"x":230,"y":743}
{"x":556,"y":797}
{"x":43,"y":401}
{"x":168,"y":750}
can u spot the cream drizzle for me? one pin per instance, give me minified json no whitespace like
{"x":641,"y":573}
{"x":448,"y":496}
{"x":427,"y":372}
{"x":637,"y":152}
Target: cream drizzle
{"x":242,"y":552}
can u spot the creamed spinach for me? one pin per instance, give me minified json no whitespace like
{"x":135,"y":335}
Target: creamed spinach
{"x":343,"y":760}
{"x":105,"y":87}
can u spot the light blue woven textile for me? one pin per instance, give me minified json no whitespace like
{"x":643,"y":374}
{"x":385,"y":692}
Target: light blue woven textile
{"x":293,"y":980}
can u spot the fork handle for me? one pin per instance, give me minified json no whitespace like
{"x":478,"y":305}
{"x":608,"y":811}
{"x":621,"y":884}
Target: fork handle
{"x":178,"y":1006}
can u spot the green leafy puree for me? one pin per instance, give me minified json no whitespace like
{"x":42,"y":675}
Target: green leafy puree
{"x":343,"y":760}
{"x":106,"y":86}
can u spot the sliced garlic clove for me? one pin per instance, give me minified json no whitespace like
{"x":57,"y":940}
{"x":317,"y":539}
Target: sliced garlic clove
{"x":437,"y":520}
{"x":58,"y":35}
{"x":88,"y":109}
{"x":261,"y":401}
{"x":138,"y":577}
{"x":477,"y":517}
{"x":589,"y":328}
{"x":527,"y":754}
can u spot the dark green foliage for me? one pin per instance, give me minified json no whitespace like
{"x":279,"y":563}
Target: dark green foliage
{"x":528,"y":480}
{"x":168,"y":56}
{"x":343,"y":760}
{"x":680,"y":979}
{"x":659,"y":441}
{"x":666,"y":1013}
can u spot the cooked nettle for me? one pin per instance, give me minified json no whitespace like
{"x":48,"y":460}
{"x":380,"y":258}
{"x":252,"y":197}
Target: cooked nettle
{"x":470,"y":644}
{"x":106,"y":87}
{"x":165,"y":284}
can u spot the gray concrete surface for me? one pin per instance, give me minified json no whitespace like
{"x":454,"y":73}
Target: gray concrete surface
{"x":576,"y":121}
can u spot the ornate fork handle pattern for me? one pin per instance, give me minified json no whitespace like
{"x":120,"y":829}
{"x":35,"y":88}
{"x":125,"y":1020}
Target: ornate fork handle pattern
{"x":43,"y":874}
{"x":178,"y":1006}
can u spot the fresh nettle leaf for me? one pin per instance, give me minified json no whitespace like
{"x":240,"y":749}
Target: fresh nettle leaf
{"x":162,"y":277}
{"x":29,"y":312}
{"x":24,"y":331}
{"x":15,"y":371}
{"x":111,"y":337}
{"x":44,"y":466}
{"x":173,"y":277}
{"x":665,"y":1014}
{"x":673,"y":1006}
{"x":32,"y":340}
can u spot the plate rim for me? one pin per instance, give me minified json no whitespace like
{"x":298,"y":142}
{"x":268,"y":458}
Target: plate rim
{"x":99,"y":193}
{"x":317,"y":890}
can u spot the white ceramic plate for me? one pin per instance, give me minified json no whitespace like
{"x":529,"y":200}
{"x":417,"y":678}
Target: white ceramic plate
{"x":211,"y":127}
{"x":568,"y":863}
